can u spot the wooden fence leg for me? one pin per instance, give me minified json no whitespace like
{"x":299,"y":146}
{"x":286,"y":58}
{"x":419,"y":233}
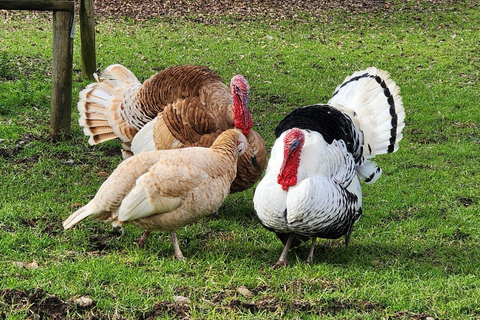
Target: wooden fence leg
{"x":61,"y":107}
{"x":87,"y":34}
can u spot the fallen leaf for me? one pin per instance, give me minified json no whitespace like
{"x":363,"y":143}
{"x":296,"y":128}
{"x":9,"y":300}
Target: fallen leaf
{"x":27,"y":265}
{"x":245,"y":292}
{"x":181,"y":300}
{"x":74,"y":205}
{"x":84,"y":302}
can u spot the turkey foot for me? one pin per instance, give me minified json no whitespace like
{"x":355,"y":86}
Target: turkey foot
{"x":282,"y":261}
{"x":143,"y":238}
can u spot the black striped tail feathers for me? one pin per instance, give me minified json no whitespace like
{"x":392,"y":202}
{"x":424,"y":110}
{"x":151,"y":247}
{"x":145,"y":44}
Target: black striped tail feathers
{"x":373,"y":101}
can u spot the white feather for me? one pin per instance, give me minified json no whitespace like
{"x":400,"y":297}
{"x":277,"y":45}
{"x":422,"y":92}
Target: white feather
{"x":140,"y":204}
{"x":315,"y":204}
{"x":143,"y":140}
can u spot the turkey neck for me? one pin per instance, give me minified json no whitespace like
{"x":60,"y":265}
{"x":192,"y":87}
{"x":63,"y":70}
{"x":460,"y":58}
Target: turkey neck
{"x":242,"y":118}
{"x":293,"y":145}
{"x":289,"y":170}
{"x":226,"y":144}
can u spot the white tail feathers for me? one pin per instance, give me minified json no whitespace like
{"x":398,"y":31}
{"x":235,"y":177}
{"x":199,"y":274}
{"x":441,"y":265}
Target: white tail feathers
{"x":100,"y":101}
{"x":79,"y":215}
{"x":372,"y":100}
{"x":369,"y":172}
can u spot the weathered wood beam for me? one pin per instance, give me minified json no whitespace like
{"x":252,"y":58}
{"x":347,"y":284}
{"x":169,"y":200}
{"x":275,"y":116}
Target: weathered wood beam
{"x":87,"y":36}
{"x":61,"y":104}
{"x":42,"y":5}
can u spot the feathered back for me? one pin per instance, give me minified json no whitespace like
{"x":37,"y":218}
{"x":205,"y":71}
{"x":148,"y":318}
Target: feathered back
{"x":166,"y":189}
{"x":372,"y":100}
{"x":118,"y":105}
{"x":187,"y":84}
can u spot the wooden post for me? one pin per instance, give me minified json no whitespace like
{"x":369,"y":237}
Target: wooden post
{"x":87,"y":34}
{"x":61,"y":106}
{"x":63,"y":13}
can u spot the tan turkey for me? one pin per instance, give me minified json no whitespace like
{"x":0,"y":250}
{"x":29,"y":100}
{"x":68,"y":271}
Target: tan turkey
{"x":166,"y":189}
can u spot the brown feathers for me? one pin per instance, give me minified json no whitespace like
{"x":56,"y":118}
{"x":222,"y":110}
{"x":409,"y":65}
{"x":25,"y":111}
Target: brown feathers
{"x":250,"y":164}
{"x":181,"y":106}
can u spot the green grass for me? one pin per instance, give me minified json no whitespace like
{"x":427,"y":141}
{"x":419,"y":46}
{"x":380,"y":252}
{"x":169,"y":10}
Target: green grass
{"x":415,"y":252}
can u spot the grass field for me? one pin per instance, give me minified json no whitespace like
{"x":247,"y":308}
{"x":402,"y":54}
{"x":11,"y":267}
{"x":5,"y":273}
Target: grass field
{"x":413,"y":255}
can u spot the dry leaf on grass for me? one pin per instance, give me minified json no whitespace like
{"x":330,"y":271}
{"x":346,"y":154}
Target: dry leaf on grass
{"x":27,"y":265}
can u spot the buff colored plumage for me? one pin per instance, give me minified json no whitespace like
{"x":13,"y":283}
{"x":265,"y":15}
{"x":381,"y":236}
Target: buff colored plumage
{"x":166,"y":189}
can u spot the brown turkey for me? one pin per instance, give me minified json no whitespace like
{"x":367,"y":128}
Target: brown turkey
{"x":181,"y":106}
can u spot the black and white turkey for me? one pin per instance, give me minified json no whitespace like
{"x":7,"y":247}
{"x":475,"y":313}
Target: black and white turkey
{"x":311,"y":187}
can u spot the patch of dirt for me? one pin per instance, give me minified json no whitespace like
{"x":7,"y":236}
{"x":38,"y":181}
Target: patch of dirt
{"x":461,"y":235}
{"x":315,"y":307}
{"x":227,"y":236}
{"x":20,"y":145}
{"x":176,"y":310}
{"x":7,"y":228}
{"x":40,"y":305}
{"x":210,"y":11}
{"x":409,"y":315}
{"x":466,"y":202}
{"x":298,"y":286}
{"x":101,"y":241}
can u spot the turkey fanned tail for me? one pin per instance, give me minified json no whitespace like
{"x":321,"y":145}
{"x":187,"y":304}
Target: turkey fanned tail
{"x":100,"y":105}
{"x":372,"y":100}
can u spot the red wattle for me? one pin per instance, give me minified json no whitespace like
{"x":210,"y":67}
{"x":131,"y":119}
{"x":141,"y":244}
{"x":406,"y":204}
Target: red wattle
{"x":241,"y":116}
{"x":289,"y":171}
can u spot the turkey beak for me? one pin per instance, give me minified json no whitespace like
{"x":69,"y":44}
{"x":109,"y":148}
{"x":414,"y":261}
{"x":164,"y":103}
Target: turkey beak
{"x":241,"y":147}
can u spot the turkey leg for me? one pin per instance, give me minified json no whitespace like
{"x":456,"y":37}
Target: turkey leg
{"x":143,"y":238}
{"x":282,"y":261}
{"x":176,"y":247}
{"x":312,"y":249}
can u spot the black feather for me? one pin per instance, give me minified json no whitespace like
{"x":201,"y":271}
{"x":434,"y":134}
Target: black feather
{"x":390,"y":100}
{"x":297,"y":239}
{"x":330,"y":122}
